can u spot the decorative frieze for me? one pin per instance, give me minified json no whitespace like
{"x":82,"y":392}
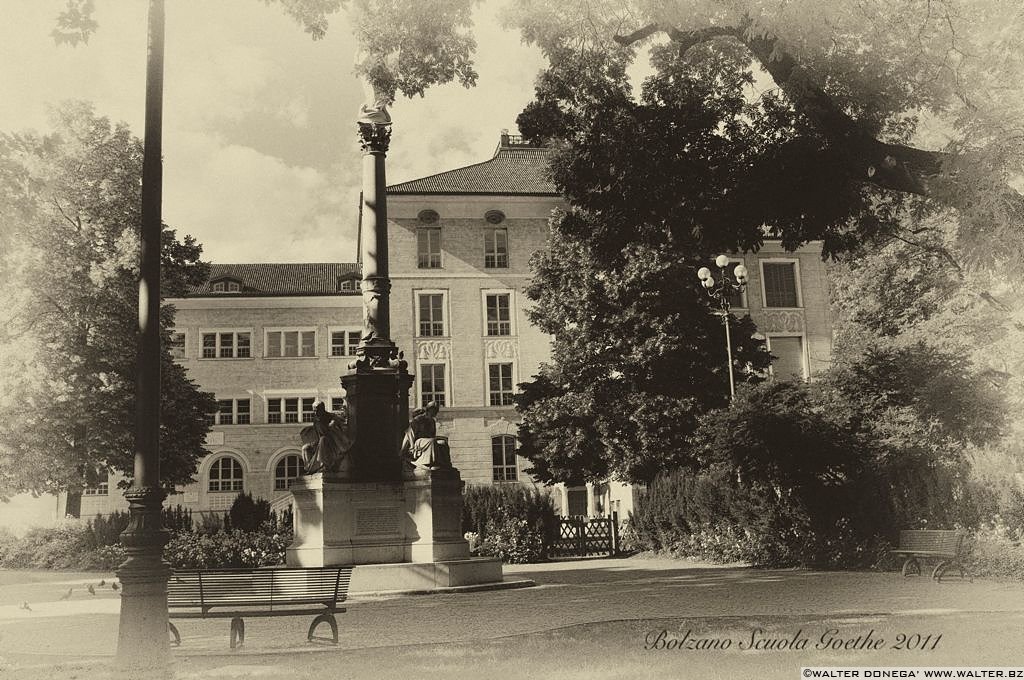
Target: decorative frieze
{"x":501,"y":349}
{"x":781,"y":321}
{"x":438,"y":350}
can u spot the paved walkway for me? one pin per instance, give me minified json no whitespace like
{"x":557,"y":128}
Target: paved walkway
{"x":600,"y":616}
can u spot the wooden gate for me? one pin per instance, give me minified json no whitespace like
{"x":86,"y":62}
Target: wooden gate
{"x":583,"y":536}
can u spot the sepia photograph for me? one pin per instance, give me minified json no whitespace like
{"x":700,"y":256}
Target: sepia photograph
{"x":668,"y":339}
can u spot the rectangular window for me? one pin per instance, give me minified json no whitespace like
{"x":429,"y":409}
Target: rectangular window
{"x":428,"y":248}
{"x":780,"y":287}
{"x":291,"y":343}
{"x":503,"y":459}
{"x":431,"y":314}
{"x":338,"y":404}
{"x":242,"y":412}
{"x":177,"y":346}
{"x":226,"y":345}
{"x":290,"y":409}
{"x":229,"y":412}
{"x":101,"y":489}
{"x":344,"y":342}
{"x":499,"y":315}
{"x":499,"y":384}
{"x":432,"y":384}
{"x":787,"y":357}
{"x":495,"y":248}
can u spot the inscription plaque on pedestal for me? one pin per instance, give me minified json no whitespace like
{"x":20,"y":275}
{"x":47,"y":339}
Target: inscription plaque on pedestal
{"x":376,"y":521}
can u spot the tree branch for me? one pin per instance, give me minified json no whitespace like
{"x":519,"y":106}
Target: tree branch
{"x":890,"y":166}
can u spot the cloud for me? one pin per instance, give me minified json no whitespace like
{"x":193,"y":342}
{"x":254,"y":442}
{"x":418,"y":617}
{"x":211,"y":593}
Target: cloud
{"x":246,"y":206}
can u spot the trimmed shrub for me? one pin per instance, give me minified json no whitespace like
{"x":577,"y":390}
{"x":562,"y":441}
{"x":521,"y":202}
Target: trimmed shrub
{"x":247,"y":513}
{"x":992,"y":551}
{"x":107,"y":529}
{"x":490,"y":510}
{"x":177,"y":519}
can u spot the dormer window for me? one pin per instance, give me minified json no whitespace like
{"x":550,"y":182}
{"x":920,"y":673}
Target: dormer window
{"x":348,"y":284}
{"x":226,"y":285}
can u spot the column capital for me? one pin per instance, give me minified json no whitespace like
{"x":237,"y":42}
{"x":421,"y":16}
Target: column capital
{"x":374,"y":137}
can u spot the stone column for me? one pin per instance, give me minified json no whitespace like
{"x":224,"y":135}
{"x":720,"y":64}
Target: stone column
{"x":378,"y":386}
{"x":591,"y":500}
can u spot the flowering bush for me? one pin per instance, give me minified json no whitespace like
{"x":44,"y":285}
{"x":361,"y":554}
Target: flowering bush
{"x":512,"y":539}
{"x":188,"y":550}
{"x":995,"y":550}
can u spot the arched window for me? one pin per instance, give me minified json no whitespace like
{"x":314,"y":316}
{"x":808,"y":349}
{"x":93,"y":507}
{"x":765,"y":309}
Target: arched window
{"x":226,"y":475}
{"x":503,"y":458}
{"x":287,"y":469}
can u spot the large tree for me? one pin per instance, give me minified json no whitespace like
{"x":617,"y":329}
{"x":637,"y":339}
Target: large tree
{"x":69,"y":223}
{"x":885,"y":109}
{"x":637,"y":355}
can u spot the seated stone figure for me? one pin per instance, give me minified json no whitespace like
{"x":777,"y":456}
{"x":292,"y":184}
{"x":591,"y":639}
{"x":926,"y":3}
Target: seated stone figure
{"x":421,"y":445}
{"x":326,"y":442}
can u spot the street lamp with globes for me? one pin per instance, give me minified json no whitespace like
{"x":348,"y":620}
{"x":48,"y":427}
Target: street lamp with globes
{"x":721,"y":289}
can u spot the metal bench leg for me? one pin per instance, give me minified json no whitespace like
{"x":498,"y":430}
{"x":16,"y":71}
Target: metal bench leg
{"x":237,"y":632}
{"x":940,"y":570}
{"x":331,"y":621}
{"x":174,"y":631}
{"x":911,"y":563}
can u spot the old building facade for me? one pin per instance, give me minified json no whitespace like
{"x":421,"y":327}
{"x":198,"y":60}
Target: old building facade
{"x":270,"y":339}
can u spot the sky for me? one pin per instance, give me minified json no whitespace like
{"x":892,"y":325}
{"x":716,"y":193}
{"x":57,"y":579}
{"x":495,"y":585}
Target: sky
{"x":261,"y":162}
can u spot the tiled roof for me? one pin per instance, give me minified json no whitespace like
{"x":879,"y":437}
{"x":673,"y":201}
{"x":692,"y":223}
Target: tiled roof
{"x":518,"y":169}
{"x":318,"y":278}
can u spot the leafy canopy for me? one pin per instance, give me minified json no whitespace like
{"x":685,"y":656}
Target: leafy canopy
{"x":69,"y":224}
{"x":637,"y":354}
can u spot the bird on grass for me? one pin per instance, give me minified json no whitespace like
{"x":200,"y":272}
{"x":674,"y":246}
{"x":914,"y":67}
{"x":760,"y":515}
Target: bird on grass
{"x":92,"y":591}
{"x":67,"y":594}
{"x":114,"y":585}
{"x":24,"y":605}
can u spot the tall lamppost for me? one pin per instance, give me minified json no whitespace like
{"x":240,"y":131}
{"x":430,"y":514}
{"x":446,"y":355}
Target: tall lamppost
{"x":721,"y":289}
{"x":142,"y":631}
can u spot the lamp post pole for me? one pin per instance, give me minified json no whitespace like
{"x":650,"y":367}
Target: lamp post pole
{"x":720,"y":290}
{"x":142,"y":640}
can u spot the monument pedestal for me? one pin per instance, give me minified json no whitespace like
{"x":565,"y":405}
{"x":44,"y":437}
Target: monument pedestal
{"x":410,"y":531}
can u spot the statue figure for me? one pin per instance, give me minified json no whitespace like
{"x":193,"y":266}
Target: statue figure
{"x":421,"y":445}
{"x":374,"y":108}
{"x":326,"y":442}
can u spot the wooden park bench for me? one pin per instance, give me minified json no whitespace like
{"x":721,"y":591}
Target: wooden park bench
{"x":917,"y":545}
{"x":240,"y":593}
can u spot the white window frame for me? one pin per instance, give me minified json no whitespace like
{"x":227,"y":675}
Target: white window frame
{"x":346,"y":330}
{"x":487,"y":379}
{"x":511,"y":310}
{"x":495,"y":254}
{"x":440,"y":246}
{"x":288,"y":329}
{"x":234,"y":340}
{"x":216,"y":420}
{"x":209,"y":472}
{"x":803,"y":350}
{"x":283,"y":396}
{"x":286,"y":479}
{"x":445,"y":312}
{"x":796,"y":273}
{"x":184,"y":344}
{"x":447,"y":381}
{"x":505,"y":467}
{"x":101,"y":489}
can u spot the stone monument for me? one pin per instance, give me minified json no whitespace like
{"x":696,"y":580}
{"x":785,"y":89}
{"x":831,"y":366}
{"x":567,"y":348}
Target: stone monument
{"x":381,"y":492}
